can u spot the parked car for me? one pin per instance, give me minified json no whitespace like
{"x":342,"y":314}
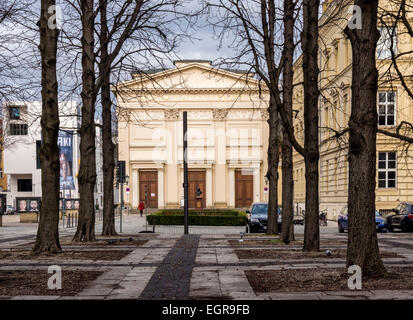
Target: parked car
{"x":258,"y":217}
{"x":10,"y":210}
{"x":381,"y":224}
{"x":402,"y":219}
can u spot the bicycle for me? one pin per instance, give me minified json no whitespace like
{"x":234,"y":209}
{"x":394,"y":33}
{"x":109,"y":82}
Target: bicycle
{"x":323,"y":218}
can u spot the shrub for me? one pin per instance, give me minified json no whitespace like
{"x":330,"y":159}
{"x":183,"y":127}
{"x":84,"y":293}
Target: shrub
{"x":207,"y":217}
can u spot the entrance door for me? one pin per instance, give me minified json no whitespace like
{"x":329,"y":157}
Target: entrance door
{"x":196,"y":179}
{"x":148,"y":180}
{"x":243,"y":189}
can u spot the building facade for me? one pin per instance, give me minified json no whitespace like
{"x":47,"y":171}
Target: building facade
{"x":394,"y":178}
{"x":227,"y":136}
{"x":3,"y":176}
{"x":21,"y":155}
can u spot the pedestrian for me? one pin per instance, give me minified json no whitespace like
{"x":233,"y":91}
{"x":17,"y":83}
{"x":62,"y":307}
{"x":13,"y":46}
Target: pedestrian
{"x":141,"y":207}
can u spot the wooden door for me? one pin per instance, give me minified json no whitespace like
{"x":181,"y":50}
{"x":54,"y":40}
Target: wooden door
{"x":244,"y":192}
{"x":196,"y":179}
{"x":148,"y":180}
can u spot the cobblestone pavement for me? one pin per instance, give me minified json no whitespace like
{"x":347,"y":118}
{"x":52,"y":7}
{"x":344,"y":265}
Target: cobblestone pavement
{"x":202,"y":265}
{"x":172,"y":278}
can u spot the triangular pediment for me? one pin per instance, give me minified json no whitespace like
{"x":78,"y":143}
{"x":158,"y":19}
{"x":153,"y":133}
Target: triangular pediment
{"x":192,"y":76}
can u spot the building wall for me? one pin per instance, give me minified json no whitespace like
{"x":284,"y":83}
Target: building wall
{"x":334,"y":112}
{"x":227,"y":131}
{"x":19,"y":153}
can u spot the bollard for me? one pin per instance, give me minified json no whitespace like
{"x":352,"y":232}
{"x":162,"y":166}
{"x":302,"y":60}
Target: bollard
{"x":1,"y":219}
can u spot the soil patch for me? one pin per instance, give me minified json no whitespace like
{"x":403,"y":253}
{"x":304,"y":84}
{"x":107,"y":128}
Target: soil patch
{"x":277,"y":242}
{"x":106,"y":242}
{"x":297,"y":254}
{"x":34,"y":282}
{"x":65,"y":255}
{"x":322,"y":279}
{"x":122,"y":240}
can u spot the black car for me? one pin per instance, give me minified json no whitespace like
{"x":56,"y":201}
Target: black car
{"x":258,"y":217}
{"x":402,"y":219}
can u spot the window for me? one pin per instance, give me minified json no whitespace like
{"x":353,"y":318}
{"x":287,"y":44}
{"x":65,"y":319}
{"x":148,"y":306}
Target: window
{"x":24,"y":185}
{"x":17,"y":129}
{"x":385,"y":43}
{"x":387,"y":169}
{"x":14,"y":113}
{"x":38,"y":146}
{"x":387,"y":108}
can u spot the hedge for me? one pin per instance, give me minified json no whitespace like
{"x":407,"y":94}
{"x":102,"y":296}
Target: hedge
{"x":207,"y":217}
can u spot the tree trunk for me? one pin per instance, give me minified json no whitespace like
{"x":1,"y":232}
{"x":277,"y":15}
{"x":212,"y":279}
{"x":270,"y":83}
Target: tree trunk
{"x":362,"y":247}
{"x":87,"y":170}
{"x":108,"y":227}
{"x":287,"y":229}
{"x":273,"y":155}
{"x":311,"y":71}
{"x":47,"y":239}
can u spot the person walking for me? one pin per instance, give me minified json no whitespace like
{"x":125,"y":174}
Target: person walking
{"x":141,"y":207}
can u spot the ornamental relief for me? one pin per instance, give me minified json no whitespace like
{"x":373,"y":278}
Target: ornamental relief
{"x":244,"y":115}
{"x":200,"y":115}
{"x":264,"y":114}
{"x":171,"y":114}
{"x":147,"y":115}
{"x":219,"y":114}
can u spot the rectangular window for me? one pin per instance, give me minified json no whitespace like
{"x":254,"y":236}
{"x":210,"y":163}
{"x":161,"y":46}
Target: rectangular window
{"x":18,"y":129}
{"x":384,"y":44}
{"x":387,"y":108}
{"x":387,"y":170}
{"x":24,"y":185}
{"x":14,"y":113}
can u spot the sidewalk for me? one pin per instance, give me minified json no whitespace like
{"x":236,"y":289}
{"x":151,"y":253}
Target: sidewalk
{"x":200,"y":266}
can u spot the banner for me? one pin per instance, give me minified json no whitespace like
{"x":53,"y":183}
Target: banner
{"x":28,"y":204}
{"x":70,"y":204}
{"x":65,"y":143}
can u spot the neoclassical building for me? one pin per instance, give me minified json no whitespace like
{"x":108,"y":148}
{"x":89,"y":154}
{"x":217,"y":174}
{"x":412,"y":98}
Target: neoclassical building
{"x":394,"y":176}
{"x":227,"y":136}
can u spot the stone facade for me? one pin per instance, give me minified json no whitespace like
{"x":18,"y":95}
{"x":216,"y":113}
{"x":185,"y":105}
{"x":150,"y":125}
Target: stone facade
{"x":227,"y":133}
{"x":335,"y":108}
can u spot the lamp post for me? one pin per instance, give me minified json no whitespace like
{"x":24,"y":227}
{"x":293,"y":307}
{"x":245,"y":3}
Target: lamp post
{"x":185,"y":173}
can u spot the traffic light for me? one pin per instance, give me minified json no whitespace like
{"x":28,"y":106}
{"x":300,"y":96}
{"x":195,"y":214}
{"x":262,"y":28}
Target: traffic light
{"x":120,"y":172}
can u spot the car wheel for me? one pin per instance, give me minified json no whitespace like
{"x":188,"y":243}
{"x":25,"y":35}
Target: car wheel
{"x":391,"y":229}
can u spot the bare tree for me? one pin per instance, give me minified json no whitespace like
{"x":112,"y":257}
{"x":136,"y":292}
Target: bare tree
{"x":87,"y":171}
{"x":254,"y":25}
{"x":309,"y":39}
{"x":287,"y":151}
{"x":362,"y":247}
{"x":47,"y":239}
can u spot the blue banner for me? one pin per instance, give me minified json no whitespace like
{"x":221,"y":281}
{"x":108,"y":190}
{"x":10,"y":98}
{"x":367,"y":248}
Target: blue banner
{"x":65,"y":143}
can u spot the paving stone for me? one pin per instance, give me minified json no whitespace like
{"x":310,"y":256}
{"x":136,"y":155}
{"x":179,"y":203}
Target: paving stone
{"x":351,"y":293}
{"x":172,"y":278}
{"x":32,"y":297}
